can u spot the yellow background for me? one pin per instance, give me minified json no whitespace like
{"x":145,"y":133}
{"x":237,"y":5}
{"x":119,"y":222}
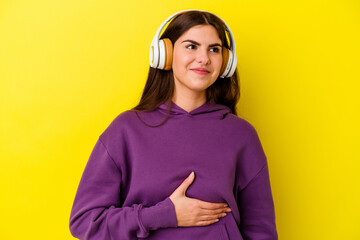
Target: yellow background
{"x":68,"y":68}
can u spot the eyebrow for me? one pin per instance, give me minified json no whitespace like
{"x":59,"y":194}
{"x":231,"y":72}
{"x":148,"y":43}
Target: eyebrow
{"x":196,"y":43}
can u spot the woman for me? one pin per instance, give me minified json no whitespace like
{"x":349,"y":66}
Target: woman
{"x":136,"y":183}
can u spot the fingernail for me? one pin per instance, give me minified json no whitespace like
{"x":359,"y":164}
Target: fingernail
{"x":228,"y":210}
{"x":192,"y":174}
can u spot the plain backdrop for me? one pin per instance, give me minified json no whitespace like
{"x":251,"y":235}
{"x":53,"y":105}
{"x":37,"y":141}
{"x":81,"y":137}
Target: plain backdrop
{"x":68,"y":68}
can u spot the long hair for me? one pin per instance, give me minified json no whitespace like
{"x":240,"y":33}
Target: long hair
{"x":160,"y":84}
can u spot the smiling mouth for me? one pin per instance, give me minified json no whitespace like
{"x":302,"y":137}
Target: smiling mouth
{"x":200,"y":72}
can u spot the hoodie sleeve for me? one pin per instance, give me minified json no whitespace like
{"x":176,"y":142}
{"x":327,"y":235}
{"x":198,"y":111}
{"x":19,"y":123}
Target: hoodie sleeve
{"x":97,"y":213}
{"x":254,"y":197}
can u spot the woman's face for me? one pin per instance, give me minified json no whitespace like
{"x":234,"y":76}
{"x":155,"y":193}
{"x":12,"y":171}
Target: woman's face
{"x":197,"y":59}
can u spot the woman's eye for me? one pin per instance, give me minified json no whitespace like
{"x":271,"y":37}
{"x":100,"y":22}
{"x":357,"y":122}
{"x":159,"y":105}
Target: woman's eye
{"x":191,"y":46}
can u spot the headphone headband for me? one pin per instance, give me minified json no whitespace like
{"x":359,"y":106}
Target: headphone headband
{"x":155,"y":52}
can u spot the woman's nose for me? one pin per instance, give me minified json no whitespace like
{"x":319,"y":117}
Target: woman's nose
{"x":202,"y":56}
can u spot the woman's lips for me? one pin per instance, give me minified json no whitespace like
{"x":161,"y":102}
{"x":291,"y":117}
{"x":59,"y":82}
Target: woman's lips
{"x":200,"y":71}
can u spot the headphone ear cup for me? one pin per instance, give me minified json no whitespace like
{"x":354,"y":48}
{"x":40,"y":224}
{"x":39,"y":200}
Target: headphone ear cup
{"x":168,"y":53}
{"x":154,"y":55}
{"x":225,"y":56}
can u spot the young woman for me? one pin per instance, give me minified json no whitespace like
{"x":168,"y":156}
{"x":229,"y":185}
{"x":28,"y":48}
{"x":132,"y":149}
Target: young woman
{"x":181,"y":164}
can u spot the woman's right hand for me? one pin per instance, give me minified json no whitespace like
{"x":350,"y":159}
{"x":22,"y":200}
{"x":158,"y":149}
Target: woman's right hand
{"x":194,"y":212}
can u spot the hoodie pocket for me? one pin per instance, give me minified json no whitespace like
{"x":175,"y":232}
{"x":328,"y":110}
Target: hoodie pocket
{"x":230,"y":228}
{"x":223,"y":231}
{"x":214,"y":231}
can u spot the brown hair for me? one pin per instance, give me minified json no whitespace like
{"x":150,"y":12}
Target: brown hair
{"x":159,"y":86}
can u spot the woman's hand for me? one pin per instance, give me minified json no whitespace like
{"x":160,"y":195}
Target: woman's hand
{"x":194,"y":212}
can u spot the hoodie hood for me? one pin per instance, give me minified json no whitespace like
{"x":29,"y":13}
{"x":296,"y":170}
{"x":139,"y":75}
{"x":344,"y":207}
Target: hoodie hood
{"x":209,"y":109}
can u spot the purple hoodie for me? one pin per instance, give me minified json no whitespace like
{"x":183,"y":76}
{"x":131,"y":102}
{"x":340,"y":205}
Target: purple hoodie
{"x":133,"y":169}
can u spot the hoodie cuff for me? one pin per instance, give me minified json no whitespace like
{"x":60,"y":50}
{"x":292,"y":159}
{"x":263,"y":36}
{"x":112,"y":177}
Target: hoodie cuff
{"x":162,"y":215}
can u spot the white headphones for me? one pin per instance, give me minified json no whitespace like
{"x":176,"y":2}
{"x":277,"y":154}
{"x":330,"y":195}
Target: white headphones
{"x":161,"y":50}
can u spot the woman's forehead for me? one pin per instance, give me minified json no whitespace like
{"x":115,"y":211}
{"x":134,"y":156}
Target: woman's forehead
{"x":203,"y":33}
